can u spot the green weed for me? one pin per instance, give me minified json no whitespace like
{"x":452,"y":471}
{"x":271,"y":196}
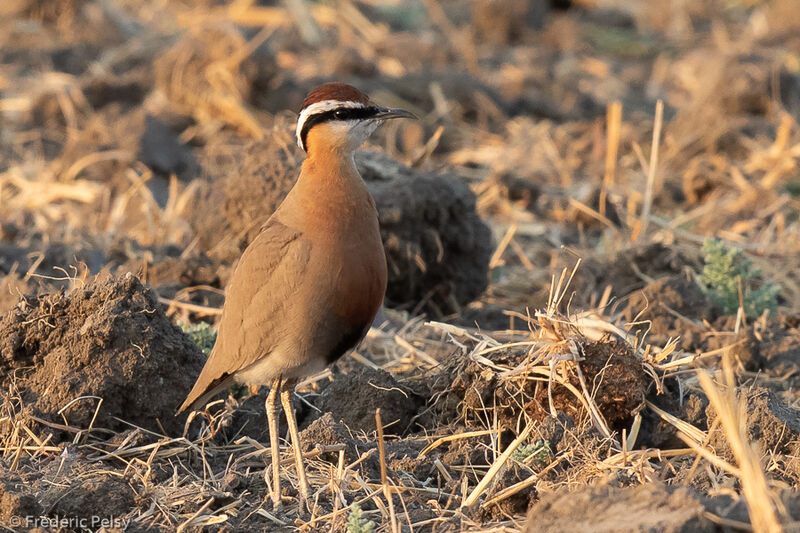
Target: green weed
{"x":540,"y":450}
{"x":356,"y":523}
{"x":725,"y":270}
{"x":202,"y":334}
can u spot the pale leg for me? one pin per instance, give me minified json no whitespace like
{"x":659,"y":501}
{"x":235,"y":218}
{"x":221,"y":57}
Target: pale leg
{"x":286,"y":393}
{"x":272,"y":421}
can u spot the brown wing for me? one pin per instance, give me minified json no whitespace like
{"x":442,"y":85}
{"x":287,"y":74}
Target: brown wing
{"x":256,"y":300}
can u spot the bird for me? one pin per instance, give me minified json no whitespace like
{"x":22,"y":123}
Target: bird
{"x":307,"y":288}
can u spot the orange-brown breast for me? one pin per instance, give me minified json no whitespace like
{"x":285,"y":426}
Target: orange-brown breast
{"x":336,"y":214}
{"x":363,"y":281}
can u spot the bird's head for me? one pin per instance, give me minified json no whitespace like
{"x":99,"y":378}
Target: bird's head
{"x":340,"y":117}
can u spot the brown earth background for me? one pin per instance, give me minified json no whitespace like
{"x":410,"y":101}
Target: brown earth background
{"x":550,"y":356}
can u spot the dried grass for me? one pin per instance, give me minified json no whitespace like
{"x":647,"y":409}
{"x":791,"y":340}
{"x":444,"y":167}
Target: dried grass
{"x":204,"y":75}
{"x":759,"y":498}
{"x":187,"y":500}
{"x":591,"y":179}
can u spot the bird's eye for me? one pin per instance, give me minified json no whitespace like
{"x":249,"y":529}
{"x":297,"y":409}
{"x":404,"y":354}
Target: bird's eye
{"x":340,"y":114}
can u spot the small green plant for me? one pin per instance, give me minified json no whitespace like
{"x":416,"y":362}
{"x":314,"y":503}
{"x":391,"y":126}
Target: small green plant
{"x":622,"y":41}
{"x":539,"y":450}
{"x":725,"y":270}
{"x":356,"y":523}
{"x":793,"y":187}
{"x":201,"y":334}
{"x":204,"y":336}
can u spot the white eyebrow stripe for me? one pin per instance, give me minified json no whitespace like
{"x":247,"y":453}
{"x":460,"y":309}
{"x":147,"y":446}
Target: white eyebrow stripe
{"x":320,"y":107}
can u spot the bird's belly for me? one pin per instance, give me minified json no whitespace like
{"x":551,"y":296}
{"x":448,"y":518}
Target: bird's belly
{"x":282,"y":363}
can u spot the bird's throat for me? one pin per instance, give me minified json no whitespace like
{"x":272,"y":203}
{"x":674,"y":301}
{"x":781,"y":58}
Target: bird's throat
{"x":334,"y":179}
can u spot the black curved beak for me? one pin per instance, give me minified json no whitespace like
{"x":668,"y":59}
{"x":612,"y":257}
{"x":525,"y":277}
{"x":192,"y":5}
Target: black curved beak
{"x":389,"y":112}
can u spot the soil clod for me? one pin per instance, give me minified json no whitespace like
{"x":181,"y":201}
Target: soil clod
{"x":109,"y":341}
{"x":353,"y":398}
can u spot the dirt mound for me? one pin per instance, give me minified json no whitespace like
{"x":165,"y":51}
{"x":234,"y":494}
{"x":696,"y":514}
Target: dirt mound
{"x":104,"y":495}
{"x":109,"y":340}
{"x":674,"y":306}
{"x":15,"y":501}
{"x":437,"y":247}
{"x":779,"y":349}
{"x":616,"y":378}
{"x":631,"y":267}
{"x":352,"y":398}
{"x":610,"y":509}
{"x":265,"y":175}
{"x":773,"y":424}
{"x":325,"y":431}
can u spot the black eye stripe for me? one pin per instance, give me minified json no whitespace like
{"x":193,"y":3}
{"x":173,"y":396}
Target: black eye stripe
{"x":340,"y":113}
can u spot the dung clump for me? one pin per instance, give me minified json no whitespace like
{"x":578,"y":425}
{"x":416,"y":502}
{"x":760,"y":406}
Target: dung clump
{"x":612,"y":374}
{"x":108,"y":341}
